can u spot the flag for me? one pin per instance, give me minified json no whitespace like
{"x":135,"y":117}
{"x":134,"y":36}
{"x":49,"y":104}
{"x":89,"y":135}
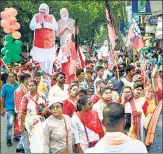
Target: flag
{"x":1,"y":63}
{"x":68,"y":66}
{"x":111,"y":60}
{"x":135,"y":38}
{"x":111,"y":30}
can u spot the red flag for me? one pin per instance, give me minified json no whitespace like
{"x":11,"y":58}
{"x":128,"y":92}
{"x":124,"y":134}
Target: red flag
{"x":81,"y":58}
{"x":134,"y":37}
{"x":111,"y":60}
{"x":1,"y":63}
{"x":69,"y":68}
{"x":111,"y":30}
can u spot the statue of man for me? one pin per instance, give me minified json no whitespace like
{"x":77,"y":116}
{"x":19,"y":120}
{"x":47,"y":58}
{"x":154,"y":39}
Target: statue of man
{"x":44,"y":26}
{"x":65,"y":26}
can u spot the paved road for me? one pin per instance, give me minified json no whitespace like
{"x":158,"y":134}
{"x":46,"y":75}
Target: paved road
{"x":4,"y":148}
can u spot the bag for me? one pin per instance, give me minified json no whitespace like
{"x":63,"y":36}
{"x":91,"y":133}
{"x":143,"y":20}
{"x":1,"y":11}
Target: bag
{"x":147,"y":120}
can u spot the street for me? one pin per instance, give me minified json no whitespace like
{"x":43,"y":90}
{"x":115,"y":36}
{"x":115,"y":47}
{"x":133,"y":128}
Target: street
{"x":4,"y":148}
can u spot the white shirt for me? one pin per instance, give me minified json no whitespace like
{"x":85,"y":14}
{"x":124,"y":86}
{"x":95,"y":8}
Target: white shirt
{"x":97,"y":78}
{"x":106,"y":73}
{"x":80,"y":134}
{"x":104,"y":51}
{"x":56,"y":91}
{"x":99,"y":107}
{"x":131,"y":146}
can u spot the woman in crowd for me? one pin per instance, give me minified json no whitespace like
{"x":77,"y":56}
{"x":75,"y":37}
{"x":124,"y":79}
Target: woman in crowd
{"x":57,"y":129}
{"x":33,"y":110}
{"x":69,"y":107}
{"x":115,"y":96}
{"x":149,"y":101}
{"x":86,"y":125}
{"x":106,"y":98}
{"x":132,"y":105}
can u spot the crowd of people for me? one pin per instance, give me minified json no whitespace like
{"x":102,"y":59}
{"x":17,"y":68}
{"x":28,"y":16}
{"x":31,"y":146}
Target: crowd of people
{"x":86,"y":107}
{"x":51,"y":116}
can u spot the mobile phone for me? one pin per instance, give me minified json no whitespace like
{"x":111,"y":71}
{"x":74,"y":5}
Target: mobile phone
{"x":128,"y":121}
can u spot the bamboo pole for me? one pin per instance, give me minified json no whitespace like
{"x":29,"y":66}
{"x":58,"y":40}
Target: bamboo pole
{"x":5,"y":65}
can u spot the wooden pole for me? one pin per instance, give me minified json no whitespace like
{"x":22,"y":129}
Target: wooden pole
{"x":76,"y":45}
{"x":5,"y":65}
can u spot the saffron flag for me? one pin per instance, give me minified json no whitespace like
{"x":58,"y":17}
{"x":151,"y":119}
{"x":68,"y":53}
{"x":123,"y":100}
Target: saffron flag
{"x":111,"y":30}
{"x":134,"y":36}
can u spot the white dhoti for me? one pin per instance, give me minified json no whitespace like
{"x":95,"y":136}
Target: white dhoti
{"x":45,"y":57}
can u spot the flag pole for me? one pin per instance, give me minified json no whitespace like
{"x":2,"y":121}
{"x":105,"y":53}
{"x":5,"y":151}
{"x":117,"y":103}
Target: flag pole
{"x":107,"y":5}
{"x":76,"y":45}
{"x":5,"y":65}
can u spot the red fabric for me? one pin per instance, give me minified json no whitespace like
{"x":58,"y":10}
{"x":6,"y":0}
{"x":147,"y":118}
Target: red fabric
{"x":69,"y":68}
{"x":68,"y":108}
{"x":81,"y":58}
{"x":159,"y":95}
{"x":16,"y":128}
{"x":90,"y":120}
{"x":136,"y":42}
{"x":136,"y":119}
{"x":18,"y":95}
{"x":111,"y":63}
{"x":53,"y":83}
{"x":1,"y":63}
{"x":65,"y":69}
{"x":95,"y":98}
{"x":29,"y":64}
{"x":44,"y":37}
{"x":111,"y":30}
{"x":145,"y":106}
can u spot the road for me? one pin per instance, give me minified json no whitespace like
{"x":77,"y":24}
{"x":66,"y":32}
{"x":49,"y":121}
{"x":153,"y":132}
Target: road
{"x":4,"y":148}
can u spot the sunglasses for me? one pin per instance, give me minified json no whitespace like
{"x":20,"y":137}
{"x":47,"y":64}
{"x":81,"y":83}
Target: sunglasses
{"x":62,"y":77}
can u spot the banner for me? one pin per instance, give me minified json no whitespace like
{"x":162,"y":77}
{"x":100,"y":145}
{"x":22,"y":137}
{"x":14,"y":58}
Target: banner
{"x":156,"y":7}
{"x":141,"y":7}
{"x":111,"y":30}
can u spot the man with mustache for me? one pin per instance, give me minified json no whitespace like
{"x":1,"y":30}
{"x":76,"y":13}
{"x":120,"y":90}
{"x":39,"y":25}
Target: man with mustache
{"x":44,"y":25}
{"x":60,"y":89}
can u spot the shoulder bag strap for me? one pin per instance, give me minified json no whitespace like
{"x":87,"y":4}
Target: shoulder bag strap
{"x":85,"y":128}
{"x":66,"y":132}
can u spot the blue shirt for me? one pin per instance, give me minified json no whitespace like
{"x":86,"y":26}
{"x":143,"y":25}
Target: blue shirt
{"x":8,"y":94}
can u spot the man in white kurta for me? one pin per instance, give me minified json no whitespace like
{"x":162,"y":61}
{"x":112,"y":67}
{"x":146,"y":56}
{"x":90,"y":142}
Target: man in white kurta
{"x":103,"y":53}
{"x":44,"y":25}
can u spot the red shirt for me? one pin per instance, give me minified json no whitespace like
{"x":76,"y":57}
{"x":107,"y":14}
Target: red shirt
{"x":95,"y":98}
{"x":159,"y":95}
{"x":68,"y":108}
